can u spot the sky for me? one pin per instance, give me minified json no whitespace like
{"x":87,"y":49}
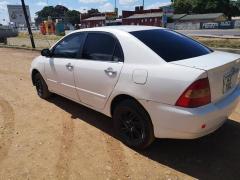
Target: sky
{"x":80,"y":5}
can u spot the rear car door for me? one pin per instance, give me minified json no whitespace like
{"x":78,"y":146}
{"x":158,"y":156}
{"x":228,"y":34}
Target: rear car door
{"x":59,"y":69}
{"x":97,"y":73}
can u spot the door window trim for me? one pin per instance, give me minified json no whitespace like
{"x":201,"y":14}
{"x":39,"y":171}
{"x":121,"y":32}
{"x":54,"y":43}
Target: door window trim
{"x":114,"y":49}
{"x":79,"y":54}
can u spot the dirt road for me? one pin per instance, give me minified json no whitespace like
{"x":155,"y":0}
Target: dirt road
{"x":59,"y":139}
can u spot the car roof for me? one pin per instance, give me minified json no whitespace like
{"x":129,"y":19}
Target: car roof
{"x":125,"y":28}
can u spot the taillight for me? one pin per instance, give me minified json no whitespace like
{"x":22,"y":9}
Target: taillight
{"x":197,"y":94}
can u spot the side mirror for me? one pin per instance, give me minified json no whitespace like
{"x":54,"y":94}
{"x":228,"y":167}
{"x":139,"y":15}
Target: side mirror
{"x":46,"y":53}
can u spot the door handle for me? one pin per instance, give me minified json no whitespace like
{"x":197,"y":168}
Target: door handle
{"x":109,"y":71}
{"x":69,"y":66}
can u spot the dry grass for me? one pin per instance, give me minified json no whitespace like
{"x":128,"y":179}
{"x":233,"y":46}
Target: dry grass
{"x":39,"y":36}
{"x":208,"y":41}
{"x":219,"y":42}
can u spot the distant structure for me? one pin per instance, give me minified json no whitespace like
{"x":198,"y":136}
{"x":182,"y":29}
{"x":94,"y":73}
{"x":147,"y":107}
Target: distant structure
{"x":148,"y":17}
{"x":100,"y":19}
{"x":16,"y":15}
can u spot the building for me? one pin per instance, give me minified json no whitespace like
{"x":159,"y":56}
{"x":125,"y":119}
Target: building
{"x":95,"y":21}
{"x":101,"y":19}
{"x":148,"y":19}
{"x":196,"y":18}
{"x":16,"y":15}
{"x":177,"y":17}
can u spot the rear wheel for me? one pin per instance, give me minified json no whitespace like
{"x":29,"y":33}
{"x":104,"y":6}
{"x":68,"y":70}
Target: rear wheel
{"x":41,"y":86}
{"x":133,"y":124}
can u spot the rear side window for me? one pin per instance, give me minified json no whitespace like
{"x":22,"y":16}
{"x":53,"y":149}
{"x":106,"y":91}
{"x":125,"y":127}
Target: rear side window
{"x":118,"y":54}
{"x":171,"y":46}
{"x":99,"y":46}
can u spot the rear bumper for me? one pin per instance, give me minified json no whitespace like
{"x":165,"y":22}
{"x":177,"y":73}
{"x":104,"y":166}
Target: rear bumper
{"x":186,"y":123}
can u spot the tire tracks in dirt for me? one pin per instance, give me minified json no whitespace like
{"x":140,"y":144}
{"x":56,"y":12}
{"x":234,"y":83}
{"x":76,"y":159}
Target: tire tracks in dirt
{"x":7,"y":128}
{"x":117,"y":158}
{"x":67,"y":138}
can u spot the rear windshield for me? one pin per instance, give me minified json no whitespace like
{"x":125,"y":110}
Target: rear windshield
{"x":171,"y":46}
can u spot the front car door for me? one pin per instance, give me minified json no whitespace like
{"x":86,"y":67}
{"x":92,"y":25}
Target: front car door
{"x":59,"y":69}
{"x":97,"y":73}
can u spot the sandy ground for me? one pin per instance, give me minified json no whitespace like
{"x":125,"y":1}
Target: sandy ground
{"x":59,"y":139}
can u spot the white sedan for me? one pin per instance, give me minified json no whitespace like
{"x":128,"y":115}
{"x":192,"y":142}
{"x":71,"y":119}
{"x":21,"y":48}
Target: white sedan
{"x":152,"y":81}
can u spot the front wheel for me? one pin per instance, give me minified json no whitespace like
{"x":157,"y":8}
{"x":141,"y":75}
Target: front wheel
{"x":133,"y":125}
{"x":41,"y":86}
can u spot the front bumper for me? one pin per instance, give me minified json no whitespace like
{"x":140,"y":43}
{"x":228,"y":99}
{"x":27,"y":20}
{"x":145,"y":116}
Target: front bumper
{"x":187,"y":123}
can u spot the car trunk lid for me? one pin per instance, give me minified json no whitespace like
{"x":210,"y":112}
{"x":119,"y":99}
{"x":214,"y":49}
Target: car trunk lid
{"x":222,"y":69}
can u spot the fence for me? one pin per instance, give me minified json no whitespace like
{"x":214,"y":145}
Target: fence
{"x":208,"y":25}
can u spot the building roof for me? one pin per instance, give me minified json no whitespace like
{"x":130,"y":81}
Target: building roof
{"x":178,"y":16}
{"x":95,"y":18}
{"x":201,"y":16}
{"x":146,"y":15}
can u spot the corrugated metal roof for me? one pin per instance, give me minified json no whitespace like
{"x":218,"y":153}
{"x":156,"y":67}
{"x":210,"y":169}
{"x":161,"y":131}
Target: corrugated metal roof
{"x":96,"y":18}
{"x":146,"y":15}
{"x":177,"y":16}
{"x":202,"y":16}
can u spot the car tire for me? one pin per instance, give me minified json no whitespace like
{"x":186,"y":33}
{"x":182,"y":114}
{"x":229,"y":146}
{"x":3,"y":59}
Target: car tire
{"x":133,"y":124}
{"x":41,"y":87}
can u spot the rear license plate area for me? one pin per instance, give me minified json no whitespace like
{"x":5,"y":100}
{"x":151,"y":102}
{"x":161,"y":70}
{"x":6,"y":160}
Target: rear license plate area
{"x":230,"y":79}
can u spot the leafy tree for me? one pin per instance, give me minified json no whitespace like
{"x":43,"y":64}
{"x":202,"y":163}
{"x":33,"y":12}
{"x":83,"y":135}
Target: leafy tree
{"x":228,"y":7}
{"x":61,"y":12}
{"x":183,"y":6}
{"x":57,"y":12}
{"x":73,"y":17}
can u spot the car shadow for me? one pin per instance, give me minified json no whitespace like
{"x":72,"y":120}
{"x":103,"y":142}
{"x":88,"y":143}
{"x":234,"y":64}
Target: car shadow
{"x":216,"y":156}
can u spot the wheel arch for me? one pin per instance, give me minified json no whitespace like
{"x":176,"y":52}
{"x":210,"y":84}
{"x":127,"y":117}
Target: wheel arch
{"x":121,"y":97}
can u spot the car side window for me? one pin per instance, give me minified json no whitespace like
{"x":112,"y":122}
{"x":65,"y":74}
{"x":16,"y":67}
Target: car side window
{"x":69,"y":47}
{"x":99,"y":46}
{"x":118,"y":54}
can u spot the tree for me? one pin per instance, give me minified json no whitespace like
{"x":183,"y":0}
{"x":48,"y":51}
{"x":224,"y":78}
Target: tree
{"x":57,"y":12}
{"x":183,"y":6}
{"x":73,"y":17}
{"x":228,"y":7}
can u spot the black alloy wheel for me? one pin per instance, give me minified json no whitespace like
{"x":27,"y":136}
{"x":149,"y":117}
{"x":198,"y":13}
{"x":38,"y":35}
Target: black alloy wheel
{"x":133,"y":124}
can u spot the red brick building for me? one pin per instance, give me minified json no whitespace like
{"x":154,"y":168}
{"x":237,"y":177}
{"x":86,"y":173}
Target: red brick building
{"x":151,"y":17}
{"x":95,"y":21}
{"x":148,"y":19}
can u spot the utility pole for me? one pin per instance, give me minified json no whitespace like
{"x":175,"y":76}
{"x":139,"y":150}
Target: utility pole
{"x":143,"y":4}
{"x":28,"y":24}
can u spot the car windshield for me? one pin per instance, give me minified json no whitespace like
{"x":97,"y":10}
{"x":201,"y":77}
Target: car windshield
{"x":170,"y":45}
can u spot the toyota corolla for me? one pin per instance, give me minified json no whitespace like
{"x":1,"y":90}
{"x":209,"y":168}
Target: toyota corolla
{"x":153,"y":82}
